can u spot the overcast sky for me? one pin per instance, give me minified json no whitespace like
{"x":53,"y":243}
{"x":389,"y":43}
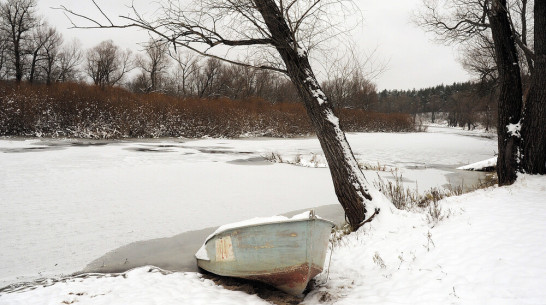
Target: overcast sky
{"x":414,"y":60}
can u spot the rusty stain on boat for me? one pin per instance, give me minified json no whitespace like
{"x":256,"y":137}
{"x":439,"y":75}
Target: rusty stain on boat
{"x":224,"y":249}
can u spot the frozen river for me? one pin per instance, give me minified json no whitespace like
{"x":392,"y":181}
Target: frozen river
{"x":67,"y":202}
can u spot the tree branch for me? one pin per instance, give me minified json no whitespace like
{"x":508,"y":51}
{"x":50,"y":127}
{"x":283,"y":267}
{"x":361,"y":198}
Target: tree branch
{"x":187,"y":34}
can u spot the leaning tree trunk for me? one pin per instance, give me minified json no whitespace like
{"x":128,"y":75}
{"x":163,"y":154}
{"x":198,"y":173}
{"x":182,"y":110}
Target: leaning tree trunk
{"x":510,"y":97}
{"x":350,"y":184}
{"x":533,"y":130}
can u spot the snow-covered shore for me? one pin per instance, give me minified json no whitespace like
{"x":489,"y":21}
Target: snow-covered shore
{"x":67,"y":202}
{"x":489,"y":250}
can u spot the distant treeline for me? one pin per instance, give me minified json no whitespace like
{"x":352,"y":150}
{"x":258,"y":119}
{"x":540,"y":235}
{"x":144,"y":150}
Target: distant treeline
{"x":88,"y":111}
{"x":466,"y":104}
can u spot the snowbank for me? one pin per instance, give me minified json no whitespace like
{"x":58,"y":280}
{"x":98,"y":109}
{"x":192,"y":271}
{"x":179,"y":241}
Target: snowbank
{"x":481,"y":165}
{"x":489,"y":250}
{"x":145,"y":285}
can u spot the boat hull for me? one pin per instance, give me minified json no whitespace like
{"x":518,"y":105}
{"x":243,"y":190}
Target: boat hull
{"x":286,"y":255}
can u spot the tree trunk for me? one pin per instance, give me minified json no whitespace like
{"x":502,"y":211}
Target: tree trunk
{"x":534,"y":120}
{"x":18,"y":62}
{"x":350,"y":184}
{"x":510,"y":97}
{"x":153,"y":75}
{"x":49,"y":70}
{"x":33,"y":66}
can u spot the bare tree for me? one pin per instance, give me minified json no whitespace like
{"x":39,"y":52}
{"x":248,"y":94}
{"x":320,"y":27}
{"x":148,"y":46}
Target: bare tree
{"x":17,"y":19}
{"x":107,"y":64}
{"x":187,"y":66}
{"x":534,"y":120}
{"x":43,"y":45}
{"x":349,"y":75}
{"x":240,"y":81}
{"x":511,"y":92}
{"x":463,"y":21}
{"x":479,"y":58}
{"x":206,"y":78}
{"x":69,"y":59}
{"x":522,"y":27}
{"x":269,"y":86}
{"x":34,"y":45}
{"x":479,"y":50}
{"x":154,"y":63}
{"x":4,"y":55}
{"x":51,"y":50}
{"x":283,"y":33}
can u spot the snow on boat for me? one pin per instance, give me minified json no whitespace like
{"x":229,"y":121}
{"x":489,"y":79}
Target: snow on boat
{"x":283,"y":252}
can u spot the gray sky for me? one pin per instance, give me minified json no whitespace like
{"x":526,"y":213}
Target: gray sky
{"x":414,"y":60}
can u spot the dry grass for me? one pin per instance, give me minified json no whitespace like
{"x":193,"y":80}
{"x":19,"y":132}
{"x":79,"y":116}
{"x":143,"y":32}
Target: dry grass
{"x":373,"y":167}
{"x":410,"y":199}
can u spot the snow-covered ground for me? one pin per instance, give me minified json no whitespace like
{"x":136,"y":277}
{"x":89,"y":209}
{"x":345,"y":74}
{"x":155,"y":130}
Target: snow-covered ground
{"x":66,"y":203}
{"x":490,"y":250}
{"x":145,"y":285}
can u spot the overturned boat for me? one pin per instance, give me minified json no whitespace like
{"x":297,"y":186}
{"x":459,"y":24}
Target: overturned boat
{"x":283,"y":252}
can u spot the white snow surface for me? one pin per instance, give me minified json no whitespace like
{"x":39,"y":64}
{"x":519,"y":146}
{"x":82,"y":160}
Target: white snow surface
{"x":65,"y":203}
{"x":480,"y":165}
{"x":145,"y":285}
{"x":488,"y":250}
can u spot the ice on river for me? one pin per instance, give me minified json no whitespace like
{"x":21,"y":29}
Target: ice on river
{"x":65,"y":203}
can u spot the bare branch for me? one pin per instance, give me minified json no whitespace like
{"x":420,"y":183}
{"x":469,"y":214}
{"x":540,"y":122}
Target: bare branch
{"x":454,"y":21}
{"x":100,"y":10}
{"x":180,"y":32}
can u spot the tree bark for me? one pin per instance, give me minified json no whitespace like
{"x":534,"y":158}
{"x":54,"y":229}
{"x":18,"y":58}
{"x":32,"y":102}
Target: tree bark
{"x":523,"y":20}
{"x":510,"y":97}
{"x":534,"y":120}
{"x":350,"y":184}
{"x":17,"y":57}
{"x":33,"y":62}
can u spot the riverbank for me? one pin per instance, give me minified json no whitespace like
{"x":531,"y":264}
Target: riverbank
{"x":69,"y":202}
{"x":487,"y":250}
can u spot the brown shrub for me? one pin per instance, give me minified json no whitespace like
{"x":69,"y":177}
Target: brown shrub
{"x":358,"y":120}
{"x":77,"y":110}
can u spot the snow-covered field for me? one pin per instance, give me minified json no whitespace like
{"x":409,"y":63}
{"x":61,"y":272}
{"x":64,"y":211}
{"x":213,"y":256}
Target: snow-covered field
{"x":67,"y":202}
{"x":490,"y":250}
